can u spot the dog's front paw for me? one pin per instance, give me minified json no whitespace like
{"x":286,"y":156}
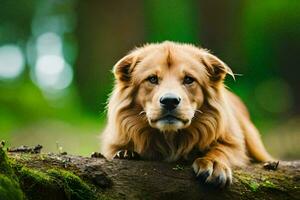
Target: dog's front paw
{"x":213,"y":173}
{"x":127,"y":154}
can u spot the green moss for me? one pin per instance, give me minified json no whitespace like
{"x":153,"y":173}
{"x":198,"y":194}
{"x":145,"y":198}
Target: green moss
{"x":255,"y":184}
{"x":38,"y":176}
{"x":19,"y":182}
{"x":60,"y":184}
{"x":9,"y":185}
{"x":34,"y":183}
{"x":73,"y":186}
{"x":5,"y":167}
{"x":249,"y":182}
{"x":178,"y":168}
{"x":9,"y":189}
{"x":52,"y":184}
{"x":269,"y":184}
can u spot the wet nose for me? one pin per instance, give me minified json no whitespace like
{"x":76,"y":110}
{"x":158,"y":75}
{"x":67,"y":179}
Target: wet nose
{"x":169,"y":101}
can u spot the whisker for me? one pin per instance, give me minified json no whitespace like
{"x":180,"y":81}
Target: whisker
{"x":195,"y":115}
{"x":142,"y":115}
{"x":199,"y":111}
{"x":142,"y":112}
{"x":238,"y":74}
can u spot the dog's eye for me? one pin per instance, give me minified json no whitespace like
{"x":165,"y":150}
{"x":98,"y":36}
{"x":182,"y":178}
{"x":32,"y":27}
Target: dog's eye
{"x":188,"y":80}
{"x":153,"y":79}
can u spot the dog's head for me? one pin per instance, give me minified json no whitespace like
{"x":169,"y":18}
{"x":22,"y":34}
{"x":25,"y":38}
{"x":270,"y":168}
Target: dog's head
{"x":170,"y":82}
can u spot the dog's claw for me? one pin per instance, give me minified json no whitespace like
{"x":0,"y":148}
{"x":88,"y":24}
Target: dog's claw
{"x":214,"y":174}
{"x":203,"y":176}
{"x":127,"y":154}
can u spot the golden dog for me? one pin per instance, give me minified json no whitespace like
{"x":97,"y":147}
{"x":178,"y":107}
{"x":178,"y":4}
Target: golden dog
{"x":170,"y":103}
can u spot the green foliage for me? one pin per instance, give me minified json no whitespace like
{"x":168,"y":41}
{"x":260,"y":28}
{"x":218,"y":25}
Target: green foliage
{"x":172,"y":20}
{"x":268,"y":29}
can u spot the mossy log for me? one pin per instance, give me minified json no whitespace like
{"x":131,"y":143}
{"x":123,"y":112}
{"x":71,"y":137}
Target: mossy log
{"x":52,"y":176}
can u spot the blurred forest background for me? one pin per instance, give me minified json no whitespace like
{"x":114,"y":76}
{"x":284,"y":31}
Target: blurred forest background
{"x":56,"y":57}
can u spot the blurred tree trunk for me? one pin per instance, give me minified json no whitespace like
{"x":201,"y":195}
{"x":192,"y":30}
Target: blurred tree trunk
{"x":106,"y":31}
{"x":219,"y":22}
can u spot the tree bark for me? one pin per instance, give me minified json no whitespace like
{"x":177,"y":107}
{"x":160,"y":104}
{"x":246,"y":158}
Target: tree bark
{"x":128,"y":179}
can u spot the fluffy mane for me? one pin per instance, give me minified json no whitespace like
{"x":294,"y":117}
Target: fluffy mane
{"x":128,"y":121}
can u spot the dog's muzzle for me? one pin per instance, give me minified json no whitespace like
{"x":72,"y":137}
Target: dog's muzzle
{"x":169,"y":101}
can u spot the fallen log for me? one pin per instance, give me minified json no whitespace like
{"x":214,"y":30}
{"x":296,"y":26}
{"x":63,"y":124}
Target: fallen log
{"x":54,"y":176}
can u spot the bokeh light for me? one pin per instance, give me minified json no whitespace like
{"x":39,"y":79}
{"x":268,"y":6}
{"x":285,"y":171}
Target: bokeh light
{"x":12,"y":61}
{"x":53,"y":73}
{"x":49,"y":44}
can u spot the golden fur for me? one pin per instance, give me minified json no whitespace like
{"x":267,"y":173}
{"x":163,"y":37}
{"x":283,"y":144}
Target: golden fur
{"x":214,"y":127}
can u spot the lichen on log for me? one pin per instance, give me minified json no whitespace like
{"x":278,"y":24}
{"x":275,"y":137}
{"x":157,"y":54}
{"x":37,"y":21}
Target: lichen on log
{"x":52,"y":176}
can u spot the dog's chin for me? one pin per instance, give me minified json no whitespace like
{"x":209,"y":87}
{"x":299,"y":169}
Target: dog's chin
{"x":169,"y":124}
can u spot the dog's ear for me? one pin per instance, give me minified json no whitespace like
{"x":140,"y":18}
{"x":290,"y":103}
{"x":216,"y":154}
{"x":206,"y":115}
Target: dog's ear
{"x":216,"y":68}
{"x":124,"y":67}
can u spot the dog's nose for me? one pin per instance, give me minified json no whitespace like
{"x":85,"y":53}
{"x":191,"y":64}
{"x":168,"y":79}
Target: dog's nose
{"x":169,"y":101}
